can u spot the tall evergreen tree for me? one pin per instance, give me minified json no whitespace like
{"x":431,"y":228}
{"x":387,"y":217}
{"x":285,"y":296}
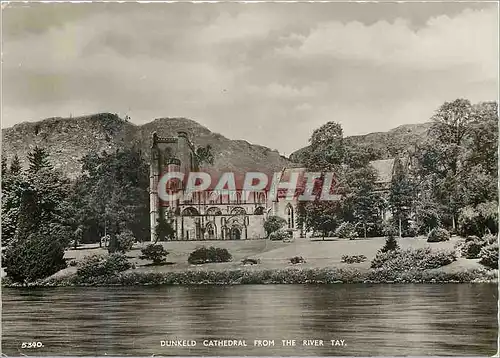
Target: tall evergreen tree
{"x":4,"y":164}
{"x":15,"y":165}
{"x":38,"y":158}
{"x":401,"y":195}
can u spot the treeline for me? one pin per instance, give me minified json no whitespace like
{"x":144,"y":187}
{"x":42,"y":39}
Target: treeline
{"x":449,"y":181}
{"x":44,"y":213}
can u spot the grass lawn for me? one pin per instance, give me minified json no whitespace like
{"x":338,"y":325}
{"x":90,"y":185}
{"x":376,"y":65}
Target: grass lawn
{"x":275,"y":254}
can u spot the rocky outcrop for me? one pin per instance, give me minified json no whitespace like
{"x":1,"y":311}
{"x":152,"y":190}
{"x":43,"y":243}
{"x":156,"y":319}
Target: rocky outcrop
{"x":68,"y":139}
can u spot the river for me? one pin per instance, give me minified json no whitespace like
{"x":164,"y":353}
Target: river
{"x":433,"y":319}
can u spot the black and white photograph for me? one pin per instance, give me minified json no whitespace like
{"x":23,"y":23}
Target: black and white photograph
{"x":249,"y":178}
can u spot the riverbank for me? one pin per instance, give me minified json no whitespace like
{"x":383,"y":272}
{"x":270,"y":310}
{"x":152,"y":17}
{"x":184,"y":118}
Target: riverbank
{"x":323,"y":265}
{"x":284,"y":276}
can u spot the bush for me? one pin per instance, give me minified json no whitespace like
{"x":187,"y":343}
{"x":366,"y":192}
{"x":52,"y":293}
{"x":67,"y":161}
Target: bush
{"x":126,"y":240}
{"x":34,"y":257}
{"x":438,"y":235}
{"x":490,"y":239}
{"x":472,"y":238}
{"x":273,"y":223}
{"x":101,"y":265}
{"x":410,"y":259}
{"x":122,"y":242}
{"x":297,"y":260}
{"x":155,"y":253}
{"x":250,"y":261}
{"x":281,"y":234}
{"x":354,"y":259}
{"x":489,"y":255}
{"x":472,"y":247}
{"x":206,"y":255}
{"x":346,"y":230}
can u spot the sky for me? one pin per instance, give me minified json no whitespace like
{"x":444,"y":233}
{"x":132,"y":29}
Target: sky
{"x":268,"y":73}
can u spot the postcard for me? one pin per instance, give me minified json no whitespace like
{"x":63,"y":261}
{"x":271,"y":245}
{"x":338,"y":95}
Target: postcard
{"x":249,"y":179}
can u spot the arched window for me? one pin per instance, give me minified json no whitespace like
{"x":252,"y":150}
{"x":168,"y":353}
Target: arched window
{"x":259,"y":210}
{"x":289,"y":213}
{"x":211,"y":231}
{"x":213,"y":211}
{"x":190,"y":211}
{"x":262,"y":198}
{"x":235,"y":233}
{"x":238,"y":211}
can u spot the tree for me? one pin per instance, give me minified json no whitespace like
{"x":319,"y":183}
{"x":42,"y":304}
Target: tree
{"x":427,"y":215}
{"x":15,"y":165}
{"x":366,"y":204}
{"x":4,"y":165}
{"x":42,"y":202}
{"x":391,"y":244}
{"x":164,"y":230}
{"x":34,"y":257}
{"x":13,"y":187}
{"x":449,"y":134}
{"x":326,"y":151}
{"x":204,"y":155}
{"x":484,"y":138}
{"x":321,"y":216}
{"x":112,"y":194}
{"x":401,"y":194}
{"x":273,"y":223}
{"x":38,"y":158}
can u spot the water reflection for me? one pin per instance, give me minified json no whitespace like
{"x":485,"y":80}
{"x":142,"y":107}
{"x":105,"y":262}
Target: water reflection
{"x":454,"y":319}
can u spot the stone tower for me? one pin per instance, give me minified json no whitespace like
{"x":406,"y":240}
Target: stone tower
{"x":168,"y":154}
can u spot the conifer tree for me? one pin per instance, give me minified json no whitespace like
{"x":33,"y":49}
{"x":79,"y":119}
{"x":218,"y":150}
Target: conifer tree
{"x":38,"y":159}
{"x":15,"y":166}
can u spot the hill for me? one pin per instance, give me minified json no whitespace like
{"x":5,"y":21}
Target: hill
{"x":384,"y":144}
{"x":69,"y":139}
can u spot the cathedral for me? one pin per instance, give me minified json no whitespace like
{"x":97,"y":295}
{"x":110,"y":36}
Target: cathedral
{"x":238,"y":216}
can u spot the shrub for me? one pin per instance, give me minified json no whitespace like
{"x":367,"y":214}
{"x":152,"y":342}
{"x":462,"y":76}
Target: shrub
{"x":281,"y":234}
{"x":250,"y":261}
{"x":472,"y":238}
{"x":438,"y":235}
{"x":472,"y":247}
{"x":34,"y":257}
{"x":122,"y":242}
{"x":73,"y":263}
{"x":489,"y":255}
{"x":490,"y":239}
{"x":155,"y":253}
{"x":273,"y":223}
{"x":353,"y":259}
{"x":297,"y":260}
{"x":438,"y":259}
{"x":423,"y":258}
{"x":206,"y":255}
{"x":346,"y":230}
{"x":101,"y":265}
{"x":391,"y":244}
